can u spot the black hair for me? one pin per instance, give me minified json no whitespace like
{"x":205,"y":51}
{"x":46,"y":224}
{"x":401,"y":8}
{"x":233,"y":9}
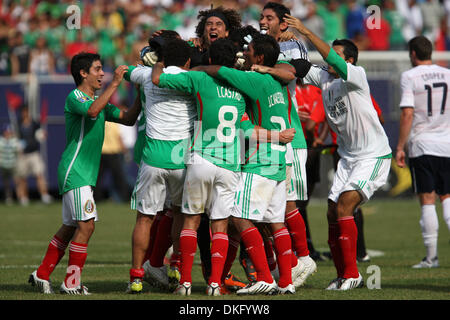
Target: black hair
{"x":350,"y":49}
{"x":82,"y":61}
{"x":266,"y":45}
{"x":421,"y":46}
{"x":223,"y":52}
{"x":279,"y":9}
{"x":156,"y":43}
{"x":166,"y":34}
{"x":176,"y":52}
{"x":237,"y":35}
{"x":232,"y":16}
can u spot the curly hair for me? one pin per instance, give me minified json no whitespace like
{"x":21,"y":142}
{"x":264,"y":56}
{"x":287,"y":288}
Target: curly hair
{"x":233,"y":17}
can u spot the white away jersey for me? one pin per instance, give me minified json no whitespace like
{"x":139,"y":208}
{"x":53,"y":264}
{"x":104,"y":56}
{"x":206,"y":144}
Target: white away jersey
{"x":350,"y":113}
{"x":425,"y":88}
{"x":169,"y":114}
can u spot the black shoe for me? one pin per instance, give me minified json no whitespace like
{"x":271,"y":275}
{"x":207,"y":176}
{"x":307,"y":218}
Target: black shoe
{"x":364,"y":258}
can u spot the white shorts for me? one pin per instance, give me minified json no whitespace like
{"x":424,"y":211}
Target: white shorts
{"x":209,"y":189}
{"x":155,"y":185}
{"x":78,"y":205}
{"x":296,"y":184}
{"x":260,"y":199}
{"x":365,"y":176}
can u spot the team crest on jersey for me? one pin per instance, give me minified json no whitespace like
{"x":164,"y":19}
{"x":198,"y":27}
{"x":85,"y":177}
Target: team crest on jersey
{"x":89,"y":207}
{"x":82,"y":99}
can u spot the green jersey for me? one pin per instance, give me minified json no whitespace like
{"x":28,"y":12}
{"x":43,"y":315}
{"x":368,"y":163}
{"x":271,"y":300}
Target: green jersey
{"x":219,"y":109}
{"x":80,"y":159}
{"x":299,"y":141}
{"x":268,"y":109}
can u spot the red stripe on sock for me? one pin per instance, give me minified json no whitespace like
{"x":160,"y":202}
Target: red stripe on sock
{"x":255,"y":248}
{"x":219,"y":248}
{"x":55,"y":252}
{"x":188,"y":246}
{"x":282,"y":242}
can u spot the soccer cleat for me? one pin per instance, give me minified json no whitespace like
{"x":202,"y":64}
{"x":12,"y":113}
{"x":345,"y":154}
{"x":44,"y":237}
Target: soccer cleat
{"x":173,"y":275}
{"x":365,"y":258}
{"x":249,"y":269}
{"x":213,"y":289}
{"x":289,"y":289}
{"x":424,"y":264}
{"x":309,"y":267}
{"x":233,"y":283}
{"x":134,"y":286}
{"x":80,"y":290}
{"x":183,"y":289}
{"x":259,"y":287}
{"x":156,"y":276}
{"x":297,"y":270}
{"x":335,"y":284}
{"x":45,"y":286}
{"x":351,"y":283}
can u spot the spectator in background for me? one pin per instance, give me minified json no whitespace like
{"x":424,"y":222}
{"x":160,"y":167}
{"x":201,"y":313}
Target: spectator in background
{"x":333,"y":18}
{"x":30,"y":161}
{"x":9,"y":151}
{"x":112,"y":160}
{"x":313,"y":22}
{"x":42,"y":61}
{"x":20,"y":55}
{"x":378,"y":37}
{"x":433,"y":12}
{"x":355,"y":18}
{"x":413,"y":18}
{"x":396,"y":22}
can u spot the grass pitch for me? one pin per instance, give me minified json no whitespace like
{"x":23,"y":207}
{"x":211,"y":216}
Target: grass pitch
{"x":392,"y":234}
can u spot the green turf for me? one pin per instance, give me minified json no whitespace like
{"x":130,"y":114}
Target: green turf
{"x":391,"y":226}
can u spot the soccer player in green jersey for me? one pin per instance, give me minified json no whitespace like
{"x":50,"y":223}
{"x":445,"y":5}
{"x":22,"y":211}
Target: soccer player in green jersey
{"x":261,"y":194}
{"x":271,"y":21}
{"x":85,"y":116}
{"x":214,"y":168}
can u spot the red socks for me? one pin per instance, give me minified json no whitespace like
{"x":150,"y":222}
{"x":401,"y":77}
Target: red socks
{"x":347,"y":241}
{"x":296,"y":226}
{"x":282,"y":241}
{"x":335,"y":248}
{"x":163,"y":240}
{"x":136,"y":274}
{"x":77,"y":258}
{"x":219,"y":248}
{"x":54,"y":254}
{"x":233,"y":246}
{"x":254,"y":246}
{"x":188,"y":246}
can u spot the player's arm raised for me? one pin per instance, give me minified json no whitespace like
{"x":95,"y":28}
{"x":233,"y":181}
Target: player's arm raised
{"x":327,"y":53}
{"x":99,"y":104}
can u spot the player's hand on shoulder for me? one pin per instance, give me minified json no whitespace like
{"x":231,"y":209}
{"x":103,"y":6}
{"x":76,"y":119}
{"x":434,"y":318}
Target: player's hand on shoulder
{"x":287,"y":135}
{"x":260,"y":68}
{"x":287,"y":35}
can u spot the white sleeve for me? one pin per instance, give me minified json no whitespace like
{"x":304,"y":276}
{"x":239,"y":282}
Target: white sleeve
{"x":141,"y":75}
{"x":313,"y":76}
{"x":407,"y":98}
{"x":356,"y":76}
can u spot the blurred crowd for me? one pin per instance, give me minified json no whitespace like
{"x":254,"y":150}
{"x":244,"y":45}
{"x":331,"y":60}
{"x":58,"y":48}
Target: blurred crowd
{"x":35,"y":38}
